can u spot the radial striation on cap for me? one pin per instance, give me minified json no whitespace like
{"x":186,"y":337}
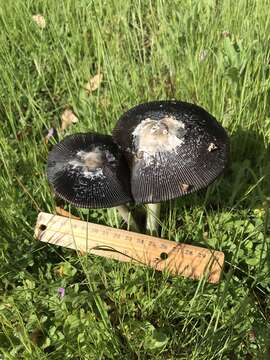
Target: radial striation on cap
{"x":173,"y":148}
{"x":88,"y":171}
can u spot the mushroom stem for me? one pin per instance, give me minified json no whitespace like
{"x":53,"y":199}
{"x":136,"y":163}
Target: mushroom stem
{"x":152,"y":218}
{"x":125,"y":212}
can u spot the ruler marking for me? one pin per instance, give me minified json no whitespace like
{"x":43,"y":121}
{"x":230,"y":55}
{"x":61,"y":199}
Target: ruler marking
{"x":122,"y":250}
{"x":175,"y":248}
{"x":188,"y":260}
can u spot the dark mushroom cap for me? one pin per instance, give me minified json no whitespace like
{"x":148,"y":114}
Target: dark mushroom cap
{"x":173,"y":148}
{"x":88,"y":171}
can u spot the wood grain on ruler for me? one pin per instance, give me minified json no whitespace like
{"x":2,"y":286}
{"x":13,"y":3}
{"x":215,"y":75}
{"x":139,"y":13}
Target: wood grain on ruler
{"x":179,"y":259}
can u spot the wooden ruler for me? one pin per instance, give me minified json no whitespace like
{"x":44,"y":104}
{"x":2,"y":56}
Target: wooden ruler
{"x":179,"y":259}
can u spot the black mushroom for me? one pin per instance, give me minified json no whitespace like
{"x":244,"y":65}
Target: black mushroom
{"x":173,"y":148}
{"x":88,"y":171}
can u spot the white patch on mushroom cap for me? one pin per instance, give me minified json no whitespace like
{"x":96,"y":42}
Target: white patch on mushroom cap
{"x":110,"y":158}
{"x":91,"y":162}
{"x":151,"y":137}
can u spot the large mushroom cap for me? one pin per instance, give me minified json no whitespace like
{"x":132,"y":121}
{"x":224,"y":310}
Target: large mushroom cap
{"x":173,"y":148}
{"x":88,"y":171}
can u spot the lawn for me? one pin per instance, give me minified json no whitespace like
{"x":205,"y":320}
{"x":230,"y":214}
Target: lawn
{"x":212,"y":53}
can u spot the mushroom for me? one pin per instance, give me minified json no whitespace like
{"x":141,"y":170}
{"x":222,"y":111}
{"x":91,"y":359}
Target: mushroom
{"x":88,"y":171}
{"x":173,"y":148}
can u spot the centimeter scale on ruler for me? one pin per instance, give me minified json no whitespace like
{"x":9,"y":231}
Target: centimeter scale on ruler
{"x":163,"y":255}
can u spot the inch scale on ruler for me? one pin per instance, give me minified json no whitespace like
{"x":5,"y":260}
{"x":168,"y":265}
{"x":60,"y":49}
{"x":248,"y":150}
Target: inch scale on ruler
{"x":160,"y":254}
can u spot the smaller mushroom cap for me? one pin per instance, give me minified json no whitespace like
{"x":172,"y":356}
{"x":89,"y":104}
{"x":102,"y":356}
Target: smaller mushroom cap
{"x":173,"y":148}
{"x":88,"y":171}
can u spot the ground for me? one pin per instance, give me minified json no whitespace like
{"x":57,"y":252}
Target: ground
{"x":56,"y":304}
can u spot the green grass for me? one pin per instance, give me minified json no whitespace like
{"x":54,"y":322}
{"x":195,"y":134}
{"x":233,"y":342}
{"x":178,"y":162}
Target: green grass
{"x":146,"y":50}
